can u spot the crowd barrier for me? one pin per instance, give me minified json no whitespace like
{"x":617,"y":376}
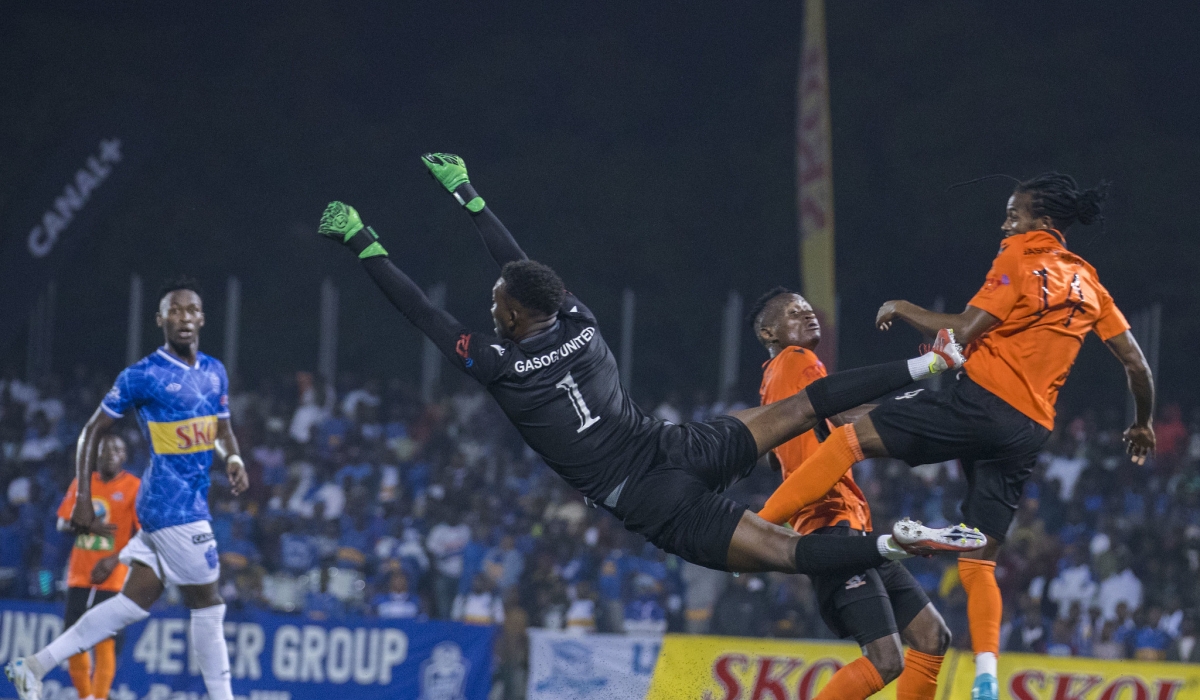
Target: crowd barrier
{"x":685,"y":667}
{"x":275,"y":657}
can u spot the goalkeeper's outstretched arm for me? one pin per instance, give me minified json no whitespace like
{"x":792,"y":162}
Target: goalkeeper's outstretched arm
{"x":342,"y":224}
{"x":451,"y":172}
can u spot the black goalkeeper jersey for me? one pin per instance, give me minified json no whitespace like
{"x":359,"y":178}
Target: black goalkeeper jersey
{"x":562,"y":390}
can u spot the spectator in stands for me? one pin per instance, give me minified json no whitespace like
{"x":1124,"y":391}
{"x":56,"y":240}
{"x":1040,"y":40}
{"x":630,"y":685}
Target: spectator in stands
{"x":446,"y":542}
{"x":481,"y":606}
{"x":1074,"y":584}
{"x":358,"y":533}
{"x":794,"y":606}
{"x":248,"y":589}
{"x":1124,"y":587}
{"x":1060,"y":639}
{"x":702,"y":588}
{"x":322,"y":604}
{"x":742,"y":610}
{"x":239,"y":552}
{"x":473,"y":555}
{"x":1185,"y":648}
{"x":315,"y":403}
{"x":1149,"y":642}
{"x":1029,"y":632}
{"x":581,"y":613}
{"x":512,"y":648}
{"x":40,"y":441}
{"x":1126,"y":628}
{"x":1108,"y":646}
{"x":398,"y":602}
{"x":645,"y":612}
{"x":504,"y":563}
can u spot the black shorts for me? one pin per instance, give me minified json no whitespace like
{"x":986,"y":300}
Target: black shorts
{"x":676,"y":504}
{"x":871,"y":604}
{"x":80,"y":600}
{"x":998,"y":445}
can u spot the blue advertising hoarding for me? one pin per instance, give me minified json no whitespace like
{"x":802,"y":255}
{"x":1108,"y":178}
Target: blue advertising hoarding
{"x":275,"y":657}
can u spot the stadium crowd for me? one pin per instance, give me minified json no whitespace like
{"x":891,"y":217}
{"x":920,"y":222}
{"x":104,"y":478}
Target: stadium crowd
{"x":364,"y":500}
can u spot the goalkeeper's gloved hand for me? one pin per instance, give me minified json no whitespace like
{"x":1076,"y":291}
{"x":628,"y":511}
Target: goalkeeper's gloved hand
{"x":450,"y":170}
{"x":342,"y":223}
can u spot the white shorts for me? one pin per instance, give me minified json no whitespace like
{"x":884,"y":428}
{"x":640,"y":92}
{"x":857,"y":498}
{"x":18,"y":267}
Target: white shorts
{"x":185,"y":555}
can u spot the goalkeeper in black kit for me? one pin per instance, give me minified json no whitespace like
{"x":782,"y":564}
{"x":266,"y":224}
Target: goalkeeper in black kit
{"x":552,"y":374}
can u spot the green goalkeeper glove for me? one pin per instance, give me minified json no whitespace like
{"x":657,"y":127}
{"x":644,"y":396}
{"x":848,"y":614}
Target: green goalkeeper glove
{"x":450,"y":170}
{"x":342,"y":223}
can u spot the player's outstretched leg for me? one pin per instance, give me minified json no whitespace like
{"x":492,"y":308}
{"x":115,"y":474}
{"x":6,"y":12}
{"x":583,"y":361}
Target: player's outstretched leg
{"x":776,"y":423}
{"x":96,"y":625}
{"x":758,"y":545}
{"x":103,"y":621}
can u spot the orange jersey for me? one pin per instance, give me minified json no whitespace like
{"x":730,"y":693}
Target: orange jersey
{"x":114,"y":503}
{"x":1047,"y":299}
{"x":784,"y":375}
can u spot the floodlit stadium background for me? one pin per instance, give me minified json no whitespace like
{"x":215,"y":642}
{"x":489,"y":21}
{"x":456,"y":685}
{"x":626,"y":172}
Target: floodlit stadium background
{"x":648,"y":150}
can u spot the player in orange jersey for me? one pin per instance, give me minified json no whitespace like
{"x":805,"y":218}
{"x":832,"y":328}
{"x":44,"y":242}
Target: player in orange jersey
{"x":880,"y":606}
{"x":1028,"y":321}
{"x":94,"y":574}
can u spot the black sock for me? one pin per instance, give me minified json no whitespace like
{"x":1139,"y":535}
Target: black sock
{"x":843,"y":391}
{"x":823,"y":554}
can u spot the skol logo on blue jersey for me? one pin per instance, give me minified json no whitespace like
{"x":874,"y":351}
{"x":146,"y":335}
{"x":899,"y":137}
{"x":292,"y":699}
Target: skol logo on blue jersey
{"x":183,"y":436}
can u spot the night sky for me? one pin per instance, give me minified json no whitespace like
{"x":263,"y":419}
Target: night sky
{"x":625,"y":146}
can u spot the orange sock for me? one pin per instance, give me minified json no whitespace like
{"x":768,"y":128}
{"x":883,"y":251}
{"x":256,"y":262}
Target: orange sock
{"x":918,"y":681}
{"x":857,"y":680}
{"x":80,"y":668}
{"x":813,"y":479}
{"x":106,"y":668}
{"x":984,"y":606}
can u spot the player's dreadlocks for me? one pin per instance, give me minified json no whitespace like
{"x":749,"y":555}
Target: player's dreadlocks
{"x":1058,"y":196}
{"x":761,"y":305}
{"x":534,"y":285}
{"x":174,"y":284}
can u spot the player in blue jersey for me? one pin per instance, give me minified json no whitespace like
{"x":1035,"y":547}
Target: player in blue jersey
{"x":180,"y":396}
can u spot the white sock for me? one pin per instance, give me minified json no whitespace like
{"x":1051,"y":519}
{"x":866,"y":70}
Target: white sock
{"x":208,"y":638}
{"x":985,"y":663}
{"x":889,"y":549}
{"x":926,"y":365}
{"x":96,"y":625}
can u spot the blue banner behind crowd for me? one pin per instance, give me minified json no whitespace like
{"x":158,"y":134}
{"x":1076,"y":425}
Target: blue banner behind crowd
{"x":275,"y":657}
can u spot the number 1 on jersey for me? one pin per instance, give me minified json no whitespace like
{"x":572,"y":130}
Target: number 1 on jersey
{"x":586,"y":419}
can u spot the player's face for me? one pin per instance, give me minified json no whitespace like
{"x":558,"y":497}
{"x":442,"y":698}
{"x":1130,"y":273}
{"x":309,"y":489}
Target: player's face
{"x":794,"y":323}
{"x":181,"y":316}
{"x":111,"y":456}
{"x":503,"y":310}
{"x":1019,"y":218}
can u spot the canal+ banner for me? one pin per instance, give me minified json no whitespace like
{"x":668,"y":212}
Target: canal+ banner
{"x":275,"y":657}
{"x":67,"y":190}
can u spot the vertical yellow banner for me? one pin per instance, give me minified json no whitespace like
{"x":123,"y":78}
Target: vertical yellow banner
{"x":814,"y":180}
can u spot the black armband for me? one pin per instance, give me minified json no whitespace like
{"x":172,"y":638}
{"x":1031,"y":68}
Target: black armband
{"x":365,"y":243}
{"x":469,"y":198}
